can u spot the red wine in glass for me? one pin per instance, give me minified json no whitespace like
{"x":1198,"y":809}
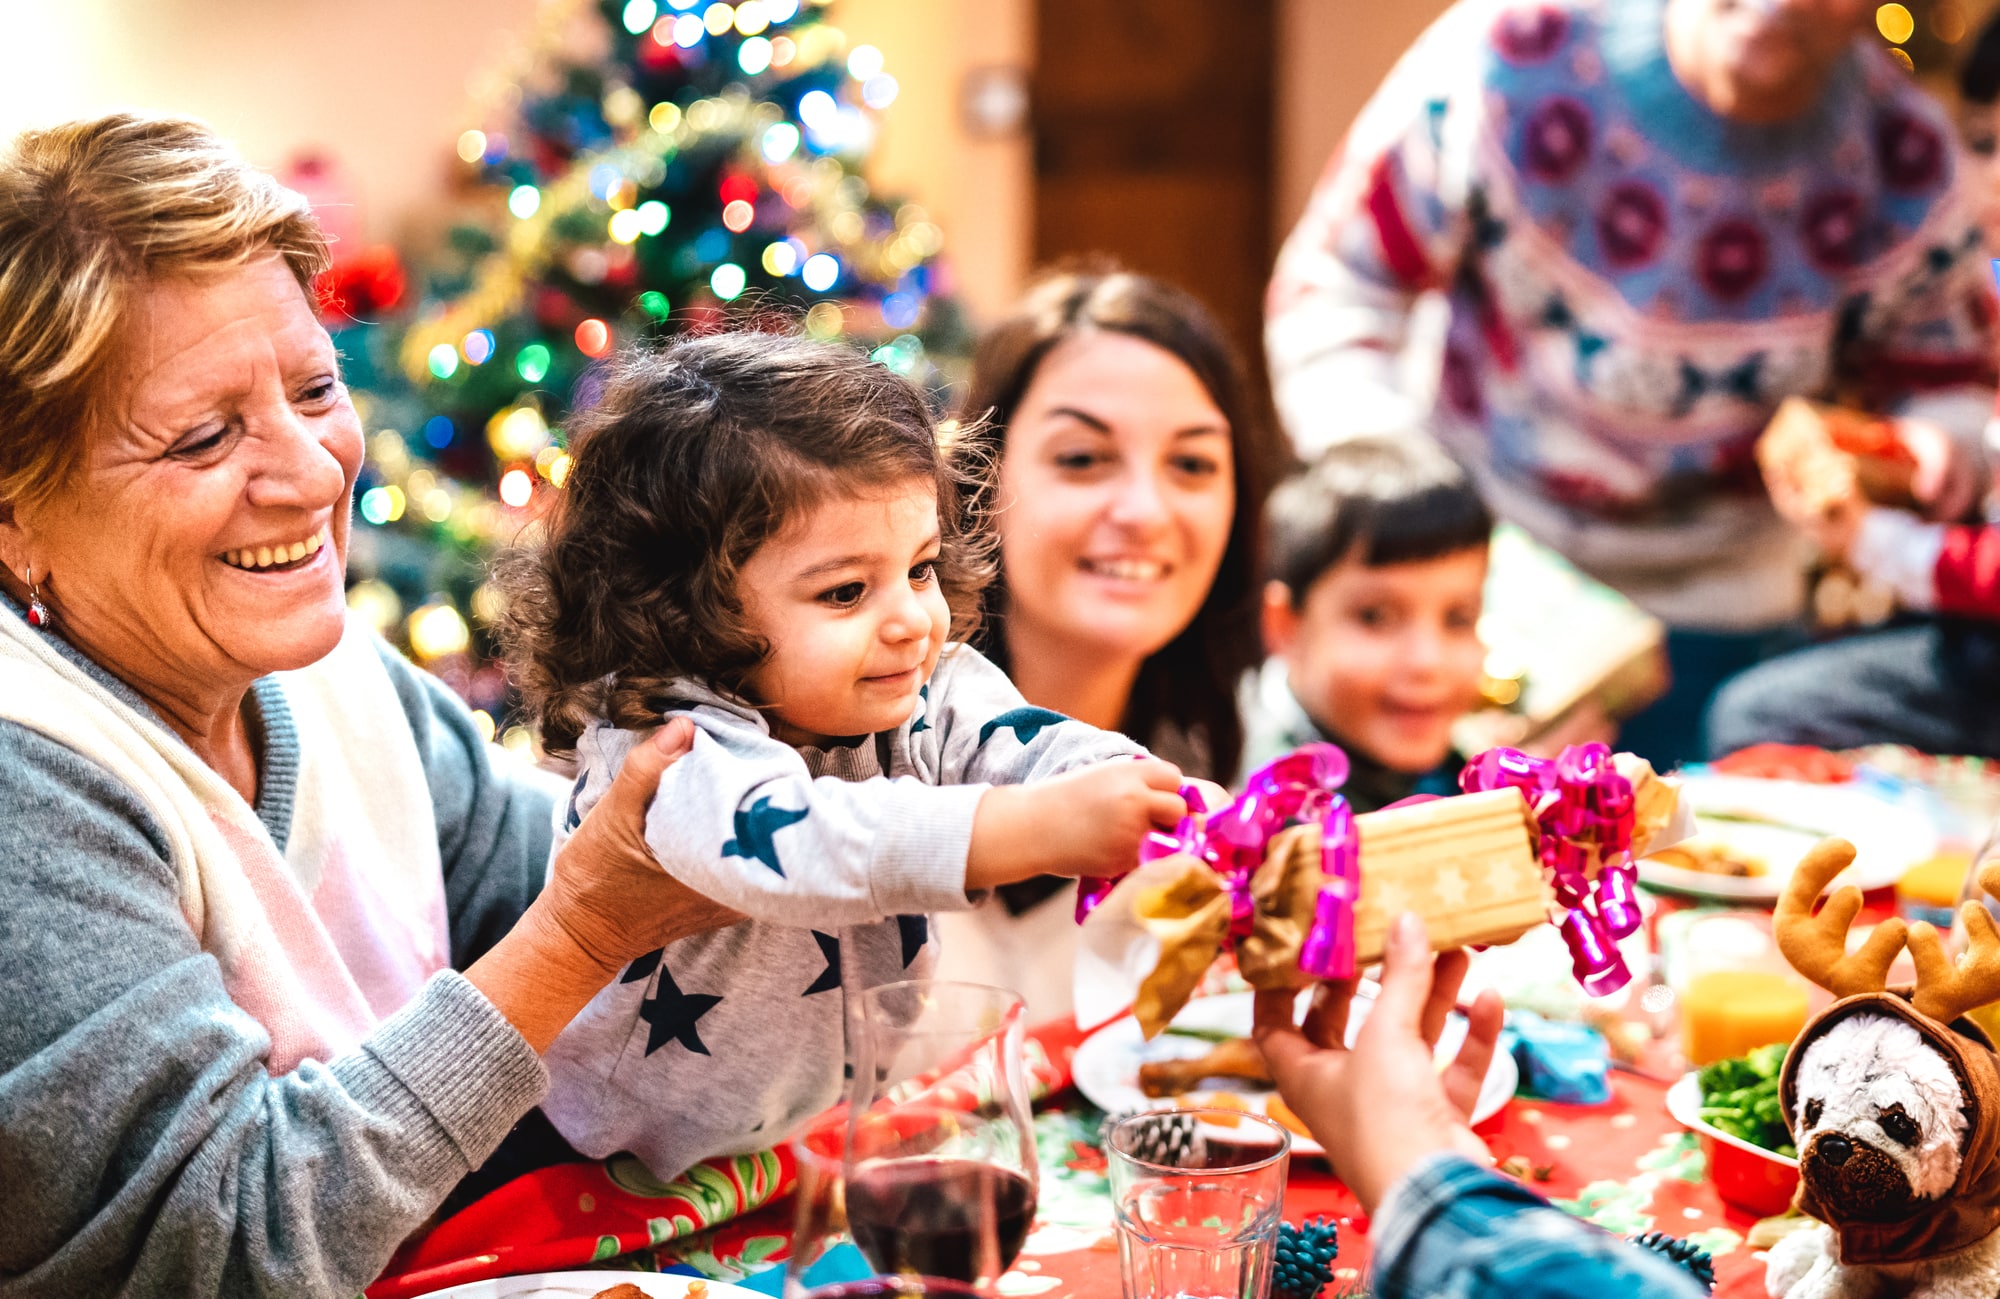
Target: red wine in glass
{"x":949,"y":1218}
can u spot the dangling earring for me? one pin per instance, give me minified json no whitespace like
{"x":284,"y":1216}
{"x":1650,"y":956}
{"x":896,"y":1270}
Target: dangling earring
{"x":38,"y":613}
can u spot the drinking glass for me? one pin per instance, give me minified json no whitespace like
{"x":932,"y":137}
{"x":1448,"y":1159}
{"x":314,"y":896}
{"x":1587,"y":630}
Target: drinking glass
{"x":939,"y":1166}
{"x":1197,"y":1218}
{"x":821,"y":1266}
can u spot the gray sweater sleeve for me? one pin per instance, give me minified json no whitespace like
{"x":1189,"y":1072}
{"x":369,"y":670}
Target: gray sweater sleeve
{"x":146,"y":1150}
{"x":494,"y":817}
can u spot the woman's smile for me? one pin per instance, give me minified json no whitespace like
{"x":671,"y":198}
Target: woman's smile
{"x":279,"y":557}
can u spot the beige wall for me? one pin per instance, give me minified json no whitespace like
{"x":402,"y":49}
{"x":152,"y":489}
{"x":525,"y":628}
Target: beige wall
{"x":1332,"y":54}
{"x":384,"y":84}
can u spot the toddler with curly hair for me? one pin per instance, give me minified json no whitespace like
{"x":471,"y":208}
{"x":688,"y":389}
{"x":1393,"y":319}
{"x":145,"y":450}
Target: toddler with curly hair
{"x":762,"y":536}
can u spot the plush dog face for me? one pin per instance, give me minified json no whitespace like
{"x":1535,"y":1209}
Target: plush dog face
{"x":1881,"y":1119}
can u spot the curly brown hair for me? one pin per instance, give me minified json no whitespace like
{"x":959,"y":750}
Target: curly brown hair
{"x":699,"y":453}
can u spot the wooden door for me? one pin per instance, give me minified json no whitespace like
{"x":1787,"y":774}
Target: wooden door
{"x":1152,"y":136}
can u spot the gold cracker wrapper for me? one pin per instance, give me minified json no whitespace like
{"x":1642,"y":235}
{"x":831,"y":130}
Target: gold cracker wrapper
{"x":1468,"y":865}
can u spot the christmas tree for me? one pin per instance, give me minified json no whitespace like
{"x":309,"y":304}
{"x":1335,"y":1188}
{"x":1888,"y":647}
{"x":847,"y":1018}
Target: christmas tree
{"x":691,"y":166}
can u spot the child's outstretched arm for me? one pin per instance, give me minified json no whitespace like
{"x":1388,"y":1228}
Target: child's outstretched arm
{"x":1088,"y":822}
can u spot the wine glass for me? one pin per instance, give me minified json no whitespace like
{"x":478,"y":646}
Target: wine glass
{"x":939,"y":1165}
{"x":819,"y":1266}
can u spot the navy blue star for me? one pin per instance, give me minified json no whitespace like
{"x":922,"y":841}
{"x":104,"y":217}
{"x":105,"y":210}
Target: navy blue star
{"x":923,"y":722}
{"x":642,"y":967}
{"x":756,"y":830}
{"x":672,"y":1014}
{"x":575,"y":819}
{"x":916,"y":931}
{"x":829,"y":978}
{"x":1026,"y":723}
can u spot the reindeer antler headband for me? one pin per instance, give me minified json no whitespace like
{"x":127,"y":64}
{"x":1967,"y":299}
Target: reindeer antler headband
{"x":1816,"y":946}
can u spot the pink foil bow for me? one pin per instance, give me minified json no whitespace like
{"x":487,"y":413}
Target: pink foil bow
{"x":1299,"y":787}
{"x":1585,"y":810}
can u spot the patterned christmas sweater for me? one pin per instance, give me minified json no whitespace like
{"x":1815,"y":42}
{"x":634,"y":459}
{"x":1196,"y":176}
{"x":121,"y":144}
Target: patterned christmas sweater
{"x":723,"y":1043}
{"x":1632,"y":284}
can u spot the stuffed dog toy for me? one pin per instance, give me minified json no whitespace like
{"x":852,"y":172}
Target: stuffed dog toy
{"x":1893,"y":1099}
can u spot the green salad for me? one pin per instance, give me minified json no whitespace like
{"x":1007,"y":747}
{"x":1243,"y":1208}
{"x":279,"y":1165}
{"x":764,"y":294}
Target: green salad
{"x":1740,"y":1097}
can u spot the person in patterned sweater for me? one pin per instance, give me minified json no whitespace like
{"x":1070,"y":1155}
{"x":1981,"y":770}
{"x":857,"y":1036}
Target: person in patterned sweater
{"x":1649,"y":221}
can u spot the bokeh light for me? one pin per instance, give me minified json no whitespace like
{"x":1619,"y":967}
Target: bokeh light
{"x":524,"y":201}
{"x":879,"y":91}
{"x":665,"y":116}
{"x":863,"y":62}
{"x":688,"y":31}
{"x":593,"y":337}
{"x":626,"y":226}
{"x":737,"y":215}
{"x":727,"y":281}
{"x":780,"y":259}
{"x":437,"y":630}
{"x":639,"y":15}
{"x":439,"y":431}
{"x":472,"y":146}
{"x":654,"y":303}
{"x":826,"y":320}
{"x":780,"y":141}
{"x":754,"y":56}
{"x":1896,"y":23}
{"x":478,"y":346}
{"x":516,"y":488}
{"x":444,"y":360}
{"x":781,"y":11}
{"x":751,"y":17}
{"x":653,"y":216}
{"x":718,"y":18}
{"x":818,"y":110}
{"x":532,"y":363}
{"x":518,"y":433}
{"x":820,"y":272}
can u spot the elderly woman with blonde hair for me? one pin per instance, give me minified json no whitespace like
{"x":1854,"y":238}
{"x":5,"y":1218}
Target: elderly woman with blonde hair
{"x":244,"y":846}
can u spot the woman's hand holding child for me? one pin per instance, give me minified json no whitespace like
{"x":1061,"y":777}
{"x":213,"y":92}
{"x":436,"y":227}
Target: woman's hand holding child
{"x":1087,"y":822}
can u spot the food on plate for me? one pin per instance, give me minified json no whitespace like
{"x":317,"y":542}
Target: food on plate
{"x":1711,"y":858}
{"x":1801,"y":762}
{"x":623,"y":1290}
{"x":1739,"y":1096}
{"x":1215,"y":1101}
{"x":1826,"y":455}
{"x":1236,"y":1057}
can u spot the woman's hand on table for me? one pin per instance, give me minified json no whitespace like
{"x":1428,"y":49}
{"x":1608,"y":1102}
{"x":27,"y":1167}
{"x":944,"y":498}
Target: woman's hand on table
{"x":607,"y":901}
{"x":1382,"y":1106}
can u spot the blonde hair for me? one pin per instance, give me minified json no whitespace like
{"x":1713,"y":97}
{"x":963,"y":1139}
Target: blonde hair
{"x":88,"y":211}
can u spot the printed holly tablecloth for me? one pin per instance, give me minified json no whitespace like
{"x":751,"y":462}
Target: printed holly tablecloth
{"x":1625,"y":1166}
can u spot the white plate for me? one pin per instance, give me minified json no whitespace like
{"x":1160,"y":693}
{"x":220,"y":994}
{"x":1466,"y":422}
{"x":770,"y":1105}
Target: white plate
{"x":581,"y":1285}
{"x":1106,"y":1067}
{"x":1790,"y":816}
{"x":1684,"y":1107}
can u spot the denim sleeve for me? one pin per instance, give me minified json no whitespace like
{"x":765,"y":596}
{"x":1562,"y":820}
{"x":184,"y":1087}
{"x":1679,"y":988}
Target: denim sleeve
{"x":1453,"y":1230}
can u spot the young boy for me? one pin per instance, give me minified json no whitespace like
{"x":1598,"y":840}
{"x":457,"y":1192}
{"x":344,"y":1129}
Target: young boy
{"x":1376,"y":556}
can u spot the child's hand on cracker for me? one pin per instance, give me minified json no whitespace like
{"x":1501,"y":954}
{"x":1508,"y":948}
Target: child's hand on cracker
{"x":1087,"y":822}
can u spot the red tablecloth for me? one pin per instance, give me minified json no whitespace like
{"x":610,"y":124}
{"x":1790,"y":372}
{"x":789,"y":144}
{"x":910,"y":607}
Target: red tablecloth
{"x":1625,"y":1166}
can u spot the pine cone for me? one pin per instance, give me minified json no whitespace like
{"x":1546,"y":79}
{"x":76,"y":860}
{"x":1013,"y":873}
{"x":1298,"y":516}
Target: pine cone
{"x":1695,"y":1259}
{"x":1304,"y":1263}
{"x":1169,"y":1138}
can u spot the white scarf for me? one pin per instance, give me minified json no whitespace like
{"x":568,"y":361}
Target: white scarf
{"x":317,"y":943}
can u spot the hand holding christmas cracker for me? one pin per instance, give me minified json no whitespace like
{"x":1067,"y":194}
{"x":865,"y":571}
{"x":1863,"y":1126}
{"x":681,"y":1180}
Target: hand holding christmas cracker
{"x":1302,"y":889}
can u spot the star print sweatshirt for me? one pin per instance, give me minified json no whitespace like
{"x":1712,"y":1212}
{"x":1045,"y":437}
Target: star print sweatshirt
{"x":725,"y":1042}
{"x":1631,"y":285}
